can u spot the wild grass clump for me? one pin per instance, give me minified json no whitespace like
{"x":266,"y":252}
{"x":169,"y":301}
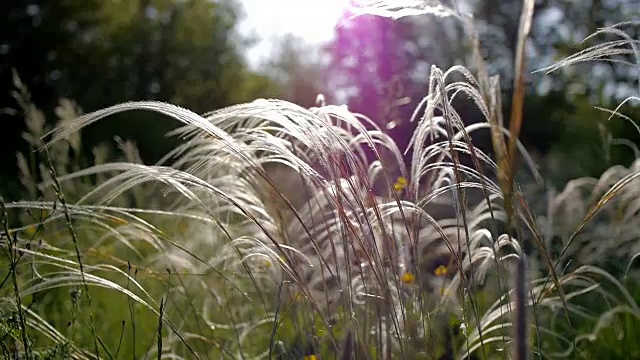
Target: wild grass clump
{"x":271,"y":233}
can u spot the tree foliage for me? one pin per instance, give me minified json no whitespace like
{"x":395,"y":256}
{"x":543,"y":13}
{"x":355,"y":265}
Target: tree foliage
{"x":104,"y":52}
{"x":299,"y":71}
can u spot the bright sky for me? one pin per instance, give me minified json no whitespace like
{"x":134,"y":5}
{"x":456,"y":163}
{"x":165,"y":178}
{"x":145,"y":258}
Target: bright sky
{"x":312,"y":20}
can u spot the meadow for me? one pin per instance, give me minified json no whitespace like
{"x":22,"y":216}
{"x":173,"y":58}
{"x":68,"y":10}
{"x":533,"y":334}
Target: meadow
{"x":277,"y":231}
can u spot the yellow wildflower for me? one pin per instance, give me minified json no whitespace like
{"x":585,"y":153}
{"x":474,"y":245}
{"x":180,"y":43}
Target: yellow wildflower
{"x":441,"y":271}
{"x":400,"y":184}
{"x":31,"y":230}
{"x":407,"y":278}
{"x":310,"y":357}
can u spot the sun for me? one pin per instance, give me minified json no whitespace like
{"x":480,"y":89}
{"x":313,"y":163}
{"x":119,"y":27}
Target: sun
{"x":314,"y":21}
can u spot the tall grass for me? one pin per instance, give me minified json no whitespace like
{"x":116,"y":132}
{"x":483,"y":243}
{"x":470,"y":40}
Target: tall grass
{"x":270,"y":233}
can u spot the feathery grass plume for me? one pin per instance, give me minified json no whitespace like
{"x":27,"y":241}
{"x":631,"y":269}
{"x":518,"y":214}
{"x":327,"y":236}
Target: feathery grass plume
{"x":498,"y":142}
{"x":346,"y":249}
{"x":359,"y":259}
{"x":592,"y":219}
{"x":506,"y":157}
{"x":338,"y":208}
{"x":612,"y":189}
{"x":614,"y":51}
{"x":402,"y":8}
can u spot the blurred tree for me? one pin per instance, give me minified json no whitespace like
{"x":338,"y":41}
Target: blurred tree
{"x":299,"y":70}
{"x":559,"y":116}
{"x":370,"y":70}
{"x":103,"y":52}
{"x":370,"y":64}
{"x":559,"y":27}
{"x":381,"y":66}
